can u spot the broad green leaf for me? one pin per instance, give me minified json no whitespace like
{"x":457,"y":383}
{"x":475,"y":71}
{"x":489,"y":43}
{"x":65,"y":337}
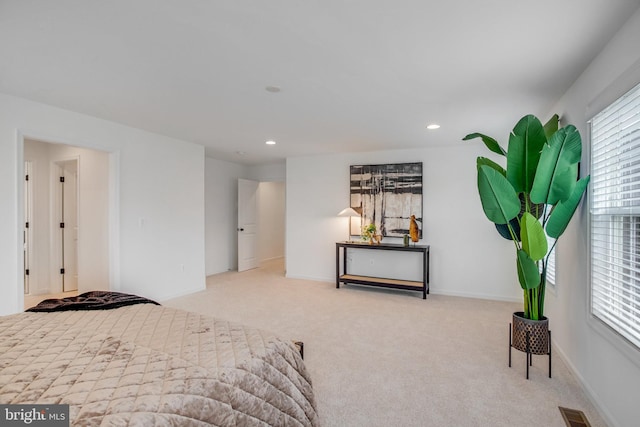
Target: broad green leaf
{"x":562,"y":213}
{"x":563,"y":184}
{"x":528,"y":274}
{"x":557,"y":168}
{"x":551,"y":126}
{"x":534,"y":241}
{"x":525,"y":145}
{"x":491,"y":143}
{"x":488,"y":162}
{"x":499,"y":201}
{"x":503,"y":229}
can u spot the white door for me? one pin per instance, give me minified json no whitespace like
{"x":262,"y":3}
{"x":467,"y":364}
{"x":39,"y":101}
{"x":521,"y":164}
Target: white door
{"x":70,"y":204}
{"x":247,"y":224}
{"x":66,"y":224}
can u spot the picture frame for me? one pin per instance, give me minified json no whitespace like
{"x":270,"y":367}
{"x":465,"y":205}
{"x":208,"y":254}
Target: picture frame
{"x":386,"y":195}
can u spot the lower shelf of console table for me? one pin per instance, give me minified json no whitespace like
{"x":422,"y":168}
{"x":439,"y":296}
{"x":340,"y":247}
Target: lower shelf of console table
{"x":411,"y":285}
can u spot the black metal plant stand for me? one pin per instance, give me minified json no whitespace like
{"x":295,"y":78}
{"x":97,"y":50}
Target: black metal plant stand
{"x":528,"y":351}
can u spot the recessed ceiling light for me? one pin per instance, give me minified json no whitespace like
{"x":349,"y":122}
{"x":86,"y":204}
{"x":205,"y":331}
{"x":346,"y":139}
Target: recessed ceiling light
{"x":433,"y":126}
{"x":272,"y":89}
{"x":270,"y":142}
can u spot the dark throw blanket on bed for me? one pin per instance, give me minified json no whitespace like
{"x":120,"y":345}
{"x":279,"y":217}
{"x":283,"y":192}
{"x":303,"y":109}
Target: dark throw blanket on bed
{"x":94,"y":300}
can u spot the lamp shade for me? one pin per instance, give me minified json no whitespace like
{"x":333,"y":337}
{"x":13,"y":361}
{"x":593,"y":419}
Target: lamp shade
{"x":348,"y":212}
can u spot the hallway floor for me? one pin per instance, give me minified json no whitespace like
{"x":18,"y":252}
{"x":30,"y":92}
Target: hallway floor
{"x":32,"y":300}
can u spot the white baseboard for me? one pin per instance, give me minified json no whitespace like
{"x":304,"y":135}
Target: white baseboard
{"x":589,"y":392}
{"x":315,"y":279}
{"x":272,"y":258}
{"x":332,"y":279}
{"x":180,"y":294}
{"x":474,"y":295}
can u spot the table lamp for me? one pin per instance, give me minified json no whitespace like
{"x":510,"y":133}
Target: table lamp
{"x":350,"y":212}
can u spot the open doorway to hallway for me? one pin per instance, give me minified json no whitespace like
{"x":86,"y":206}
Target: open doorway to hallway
{"x":66,"y":220}
{"x":261,"y":223}
{"x":271,"y":221}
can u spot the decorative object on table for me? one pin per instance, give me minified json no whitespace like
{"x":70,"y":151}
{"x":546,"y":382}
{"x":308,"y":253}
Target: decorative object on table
{"x":387,"y":195}
{"x":369,"y":232}
{"x":405,"y":240}
{"x":414,"y":231}
{"x":531,"y":203}
{"x":351,"y":213}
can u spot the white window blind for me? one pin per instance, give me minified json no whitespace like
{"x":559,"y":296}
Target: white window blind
{"x":551,"y":263}
{"x":615,"y":216}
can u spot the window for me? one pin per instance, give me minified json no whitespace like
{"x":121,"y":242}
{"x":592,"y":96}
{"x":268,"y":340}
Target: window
{"x":615,"y":216}
{"x":551,"y":263}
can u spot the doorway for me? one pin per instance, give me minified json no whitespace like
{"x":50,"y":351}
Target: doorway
{"x":247,"y":224}
{"x":261,"y":223}
{"x":66,"y":220}
{"x":271,"y":220}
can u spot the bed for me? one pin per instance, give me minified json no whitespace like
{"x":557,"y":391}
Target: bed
{"x":148,"y":365}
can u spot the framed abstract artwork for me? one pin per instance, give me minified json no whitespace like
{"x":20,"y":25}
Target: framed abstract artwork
{"x":387,"y":196}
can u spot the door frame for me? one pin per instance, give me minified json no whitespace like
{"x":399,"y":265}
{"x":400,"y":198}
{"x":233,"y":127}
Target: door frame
{"x":27,"y":237}
{"x":114,"y":208}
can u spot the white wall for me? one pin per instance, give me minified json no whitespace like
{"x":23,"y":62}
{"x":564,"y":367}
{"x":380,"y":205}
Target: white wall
{"x":271,"y":220}
{"x":93,"y":237}
{"x":607,"y":366}
{"x":270,"y":172}
{"x":454,"y":226}
{"x":158,"y":223}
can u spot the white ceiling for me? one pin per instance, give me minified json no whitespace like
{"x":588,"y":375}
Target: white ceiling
{"x":356,"y":75}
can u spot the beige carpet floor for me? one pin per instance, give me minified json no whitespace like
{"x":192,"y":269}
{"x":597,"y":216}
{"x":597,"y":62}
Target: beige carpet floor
{"x":385,"y":358}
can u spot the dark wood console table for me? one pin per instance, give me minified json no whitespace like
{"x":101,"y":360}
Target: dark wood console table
{"x":411,"y":285}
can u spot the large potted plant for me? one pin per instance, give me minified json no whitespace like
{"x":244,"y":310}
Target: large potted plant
{"x":531,"y":203}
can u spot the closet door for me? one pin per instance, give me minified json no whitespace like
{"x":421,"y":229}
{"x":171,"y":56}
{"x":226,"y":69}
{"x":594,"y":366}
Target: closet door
{"x":66,"y":240}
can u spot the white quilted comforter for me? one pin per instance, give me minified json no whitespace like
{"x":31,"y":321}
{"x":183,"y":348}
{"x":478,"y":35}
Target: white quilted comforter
{"x":147,"y":365}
